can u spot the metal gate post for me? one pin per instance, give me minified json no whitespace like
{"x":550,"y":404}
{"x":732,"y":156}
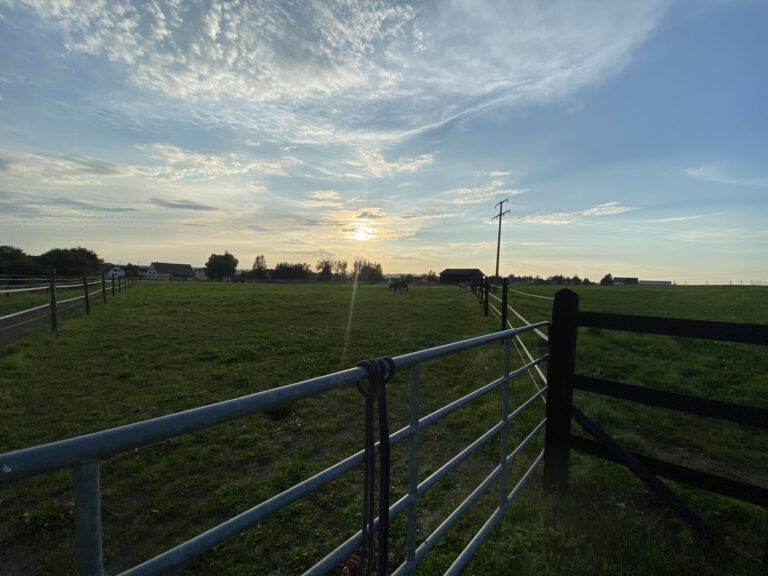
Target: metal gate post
{"x":504,"y":290}
{"x":88,"y":519}
{"x":560,"y":368}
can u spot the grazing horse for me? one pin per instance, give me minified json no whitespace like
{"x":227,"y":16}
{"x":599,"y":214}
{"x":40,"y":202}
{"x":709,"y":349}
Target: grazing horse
{"x":398,"y":285}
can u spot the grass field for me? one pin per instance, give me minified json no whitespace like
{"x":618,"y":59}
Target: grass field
{"x":167,"y":347}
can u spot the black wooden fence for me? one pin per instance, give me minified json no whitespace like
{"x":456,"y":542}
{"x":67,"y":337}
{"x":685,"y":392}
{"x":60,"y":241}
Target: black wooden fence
{"x":563,"y":380}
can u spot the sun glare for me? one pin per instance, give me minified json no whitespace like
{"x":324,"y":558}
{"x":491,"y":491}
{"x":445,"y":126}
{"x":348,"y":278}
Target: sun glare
{"x":362,"y":232}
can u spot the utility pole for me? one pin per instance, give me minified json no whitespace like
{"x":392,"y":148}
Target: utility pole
{"x":500,"y":215}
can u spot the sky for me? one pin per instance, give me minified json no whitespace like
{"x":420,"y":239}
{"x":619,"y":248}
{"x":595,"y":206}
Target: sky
{"x":629,"y":137}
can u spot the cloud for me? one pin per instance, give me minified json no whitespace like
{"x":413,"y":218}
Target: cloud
{"x":346,"y":72}
{"x":87,"y":205}
{"x":321,"y":199}
{"x":180,"y":204}
{"x":606,"y":209}
{"x":325,"y":195}
{"x":181,"y":164}
{"x":676,"y":218}
{"x":716,"y":174}
{"x":718,"y":235}
{"x":373,"y":163}
{"x":63,"y":170}
{"x":476,"y":195}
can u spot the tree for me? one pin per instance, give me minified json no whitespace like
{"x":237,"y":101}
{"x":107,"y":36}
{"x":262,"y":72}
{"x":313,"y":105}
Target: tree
{"x":431,"y":276}
{"x":291,"y":271}
{"x":365,"y":271}
{"x":325,"y":268}
{"x":259,"y":270}
{"x":71,"y":261}
{"x":221,"y":266}
{"x":340,"y":269}
{"x":15,"y":261}
{"x":607,"y":280}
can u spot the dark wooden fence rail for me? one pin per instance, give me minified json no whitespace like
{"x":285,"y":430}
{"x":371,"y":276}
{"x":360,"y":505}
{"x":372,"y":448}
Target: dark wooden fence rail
{"x":562,"y":380}
{"x":16,"y":323}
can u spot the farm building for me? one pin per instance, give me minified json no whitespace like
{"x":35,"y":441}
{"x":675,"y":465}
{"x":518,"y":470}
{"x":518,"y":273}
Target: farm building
{"x":166,"y":271}
{"x":624,"y":281}
{"x":113,"y":271}
{"x":459,"y":275}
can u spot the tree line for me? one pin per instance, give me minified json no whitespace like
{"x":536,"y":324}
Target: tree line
{"x":560,"y":280}
{"x":224,"y":266}
{"x":67,"y":262}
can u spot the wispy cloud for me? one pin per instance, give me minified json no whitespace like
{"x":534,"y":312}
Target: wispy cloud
{"x":180,"y":204}
{"x":371,"y":162}
{"x":281,"y":69}
{"x":718,"y":235}
{"x":321,"y":199}
{"x":606,"y":209}
{"x":475,"y":195}
{"x":676,"y":218}
{"x":62,"y":170}
{"x":87,"y":205}
{"x":716,"y":174}
{"x":180,"y":164}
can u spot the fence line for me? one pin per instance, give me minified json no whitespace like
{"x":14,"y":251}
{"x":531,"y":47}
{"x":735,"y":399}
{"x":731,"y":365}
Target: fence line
{"x":566,"y":319}
{"x":531,"y":295}
{"x":54,"y":306}
{"x":487,"y":293}
{"x":25,"y":289}
{"x":84,"y":453}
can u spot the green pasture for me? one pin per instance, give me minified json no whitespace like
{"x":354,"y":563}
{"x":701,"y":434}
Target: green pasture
{"x":165,"y":347}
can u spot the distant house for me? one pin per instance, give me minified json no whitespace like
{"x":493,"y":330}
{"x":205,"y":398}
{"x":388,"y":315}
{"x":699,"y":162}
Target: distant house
{"x":459,"y":275}
{"x":625,"y":281}
{"x":201,"y":275}
{"x":167,"y":271}
{"x":656,"y":282}
{"x":115,"y":271}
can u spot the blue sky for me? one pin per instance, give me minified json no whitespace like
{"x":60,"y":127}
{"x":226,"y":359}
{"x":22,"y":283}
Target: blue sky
{"x":630,"y":137}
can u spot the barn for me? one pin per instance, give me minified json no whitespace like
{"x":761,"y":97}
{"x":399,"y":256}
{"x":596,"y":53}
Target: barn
{"x":167,"y":271}
{"x":459,"y":275}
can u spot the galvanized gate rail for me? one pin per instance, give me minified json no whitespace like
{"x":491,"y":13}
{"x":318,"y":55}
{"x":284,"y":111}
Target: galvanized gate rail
{"x":83,"y":455}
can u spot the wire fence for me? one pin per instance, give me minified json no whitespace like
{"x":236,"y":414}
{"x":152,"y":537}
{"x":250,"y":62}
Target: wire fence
{"x":495,"y":299}
{"x":29,"y":303}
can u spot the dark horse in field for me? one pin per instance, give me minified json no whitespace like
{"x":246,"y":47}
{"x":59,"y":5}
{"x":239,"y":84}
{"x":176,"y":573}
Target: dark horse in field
{"x":398,"y":285}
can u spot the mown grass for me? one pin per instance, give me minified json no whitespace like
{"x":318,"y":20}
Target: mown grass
{"x":168,"y":347}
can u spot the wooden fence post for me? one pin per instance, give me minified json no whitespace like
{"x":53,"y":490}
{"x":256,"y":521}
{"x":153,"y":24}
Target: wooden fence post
{"x":54,"y":317}
{"x":487,"y":288}
{"x":504,"y":286}
{"x":85,"y":291}
{"x":113,"y":284}
{"x":103,"y":288}
{"x":560,"y":368}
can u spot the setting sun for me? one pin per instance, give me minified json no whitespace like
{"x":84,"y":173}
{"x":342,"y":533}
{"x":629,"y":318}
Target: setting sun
{"x":363,"y":232}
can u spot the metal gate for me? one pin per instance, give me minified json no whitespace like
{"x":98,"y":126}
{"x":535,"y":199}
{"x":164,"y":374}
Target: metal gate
{"x":83,"y":455}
